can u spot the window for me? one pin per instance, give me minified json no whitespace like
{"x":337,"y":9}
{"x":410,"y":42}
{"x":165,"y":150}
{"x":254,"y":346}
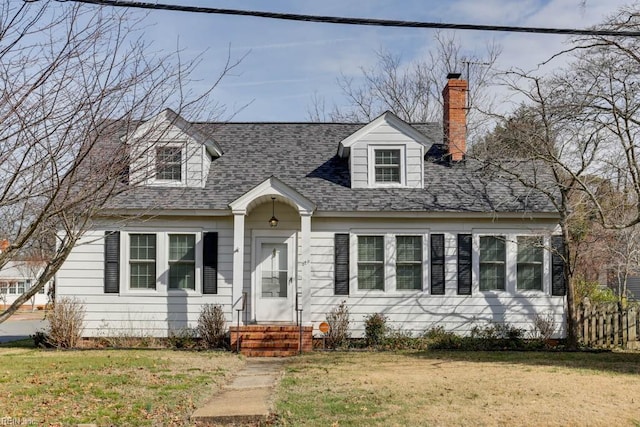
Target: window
{"x":371,"y":262}
{"x":387,"y":166}
{"x":182,"y":261}
{"x":492,"y":263}
{"x":13,"y":287}
{"x":409,"y":262}
{"x":142,"y":261}
{"x":529,"y":263}
{"x":169,"y":163}
{"x":4,"y":286}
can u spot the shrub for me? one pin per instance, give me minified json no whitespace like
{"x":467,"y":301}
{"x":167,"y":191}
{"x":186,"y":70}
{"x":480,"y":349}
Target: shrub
{"x":338,"y":320}
{"x":498,"y":336}
{"x":375,"y":329}
{"x":439,"y":339}
{"x":182,"y":338}
{"x":211,"y":326}
{"x":544,"y":325}
{"x":66,"y":323}
{"x":594,"y":291}
{"x":41,"y":339}
{"x":397,"y":339}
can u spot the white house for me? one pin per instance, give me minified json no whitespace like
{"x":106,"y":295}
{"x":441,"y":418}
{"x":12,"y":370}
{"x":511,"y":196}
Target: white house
{"x":17,"y":276}
{"x":280,"y":222}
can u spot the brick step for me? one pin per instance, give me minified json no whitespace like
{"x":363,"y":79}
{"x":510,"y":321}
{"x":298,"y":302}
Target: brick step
{"x":268,"y":353}
{"x":271,"y":328}
{"x":270,"y":344}
{"x":269,"y":335}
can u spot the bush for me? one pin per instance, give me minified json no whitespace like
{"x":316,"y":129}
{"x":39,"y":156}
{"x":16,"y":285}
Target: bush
{"x":211,"y":326}
{"x":338,"y":320}
{"x":594,"y":291}
{"x":375,"y":329}
{"x":498,"y":336}
{"x":397,"y":339}
{"x":182,"y":338}
{"x":41,"y":339}
{"x":66,"y":323}
{"x":544,"y":325}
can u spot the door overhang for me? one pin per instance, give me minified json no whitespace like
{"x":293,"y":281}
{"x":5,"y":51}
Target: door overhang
{"x":268,"y":188}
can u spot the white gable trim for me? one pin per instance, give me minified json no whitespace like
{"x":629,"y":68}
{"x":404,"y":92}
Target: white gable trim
{"x":171,"y":118}
{"x":392,"y":120}
{"x":272,"y":187}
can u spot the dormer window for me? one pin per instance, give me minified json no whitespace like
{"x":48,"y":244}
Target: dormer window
{"x":169,"y":163}
{"x":387,"y":166}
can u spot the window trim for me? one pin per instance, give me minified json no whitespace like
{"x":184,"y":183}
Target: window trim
{"x":371,"y":161}
{"x":389,"y":262}
{"x":157,"y":165}
{"x":541,"y":263}
{"x":381,"y":263}
{"x":511,"y":271}
{"x":162,"y":262}
{"x":130,"y":262}
{"x":420,"y":263}
{"x":180,"y":262}
{"x":504,"y":262}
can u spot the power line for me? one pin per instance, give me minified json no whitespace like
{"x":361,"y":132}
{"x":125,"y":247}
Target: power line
{"x":356,"y":21}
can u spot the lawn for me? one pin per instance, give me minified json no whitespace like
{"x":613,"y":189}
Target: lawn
{"x":461,"y":389}
{"x":109,"y":387}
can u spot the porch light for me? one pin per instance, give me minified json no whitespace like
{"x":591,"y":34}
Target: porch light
{"x":273,"y":222}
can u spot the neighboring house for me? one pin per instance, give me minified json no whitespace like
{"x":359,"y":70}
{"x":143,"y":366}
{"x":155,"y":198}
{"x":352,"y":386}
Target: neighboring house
{"x":16,"y":278}
{"x":304,"y":216}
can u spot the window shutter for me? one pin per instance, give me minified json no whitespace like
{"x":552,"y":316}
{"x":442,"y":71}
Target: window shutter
{"x":341,"y":249}
{"x":437,"y":264}
{"x":210,"y":263}
{"x":464,"y":264}
{"x":111,"y":262}
{"x":558,"y":284}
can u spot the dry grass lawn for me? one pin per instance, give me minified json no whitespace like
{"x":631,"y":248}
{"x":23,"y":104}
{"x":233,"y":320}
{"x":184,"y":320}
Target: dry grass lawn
{"x":462,"y":389}
{"x":109,"y":387}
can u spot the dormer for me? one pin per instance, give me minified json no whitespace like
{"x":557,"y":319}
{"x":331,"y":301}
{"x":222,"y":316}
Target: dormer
{"x":168,"y":151}
{"x":386,"y":153}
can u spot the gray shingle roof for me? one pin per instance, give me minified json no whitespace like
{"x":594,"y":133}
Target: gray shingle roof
{"x":304,"y":156}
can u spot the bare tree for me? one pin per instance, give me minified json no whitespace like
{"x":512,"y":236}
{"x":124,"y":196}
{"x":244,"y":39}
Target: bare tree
{"x":412,"y":91}
{"x":588,"y":117}
{"x":75,"y":78}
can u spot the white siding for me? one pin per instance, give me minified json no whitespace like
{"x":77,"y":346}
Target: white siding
{"x":386,"y":136}
{"x":156,"y":312}
{"x":195,"y":159}
{"x":151,"y":313}
{"x":418,"y":311}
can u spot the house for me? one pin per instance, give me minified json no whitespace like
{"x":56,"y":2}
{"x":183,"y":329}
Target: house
{"x":278,"y":223}
{"x":16,"y":277}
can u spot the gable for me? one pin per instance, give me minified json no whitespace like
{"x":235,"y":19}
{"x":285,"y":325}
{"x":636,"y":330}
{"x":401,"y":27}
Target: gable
{"x":168,"y":151}
{"x":387,"y":152}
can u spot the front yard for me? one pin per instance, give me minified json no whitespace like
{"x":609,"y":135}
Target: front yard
{"x":108,"y":387}
{"x":461,"y":389}
{"x":163,"y":387}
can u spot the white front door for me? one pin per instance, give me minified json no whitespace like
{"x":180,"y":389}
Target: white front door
{"x":274,"y":279}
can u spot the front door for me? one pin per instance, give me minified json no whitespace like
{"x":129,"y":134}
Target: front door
{"x":274,"y":287}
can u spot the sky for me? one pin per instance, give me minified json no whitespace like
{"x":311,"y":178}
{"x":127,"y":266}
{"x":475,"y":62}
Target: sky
{"x":286,"y":63}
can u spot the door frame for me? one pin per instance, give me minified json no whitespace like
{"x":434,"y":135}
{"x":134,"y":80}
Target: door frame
{"x":290,"y":238}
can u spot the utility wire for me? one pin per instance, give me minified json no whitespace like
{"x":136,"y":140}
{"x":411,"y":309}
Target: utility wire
{"x":356,"y":21}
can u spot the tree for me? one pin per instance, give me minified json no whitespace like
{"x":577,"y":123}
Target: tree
{"x":411,"y":91}
{"x":588,"y":112}
{"x":75,"y":79}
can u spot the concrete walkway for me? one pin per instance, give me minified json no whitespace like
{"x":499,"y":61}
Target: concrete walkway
{"x":247,"y":399}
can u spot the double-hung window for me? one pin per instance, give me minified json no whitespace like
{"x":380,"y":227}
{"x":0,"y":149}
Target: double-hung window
{"x":182,"y":261}
{"x":409,"y":262}
{"x":530,"y":256}
{"x":387,"y":166}
{"x":492,"y":263}
{"x":169,"y":163}
{"x":371,"y":262}
{"x":142,"y":261}
{"x":13,"y":286}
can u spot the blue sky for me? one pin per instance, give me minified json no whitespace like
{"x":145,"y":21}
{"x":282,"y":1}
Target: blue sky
{"x":287,"y":62}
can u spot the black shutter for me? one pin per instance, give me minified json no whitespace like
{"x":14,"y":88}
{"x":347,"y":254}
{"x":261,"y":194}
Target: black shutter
{"x":341,"y":251}
{"x":437,"y":264}
{"x":558,"y":284}
{"x":210,"y":263}
{"x":464,"y":264}
{"x":111,"y":262}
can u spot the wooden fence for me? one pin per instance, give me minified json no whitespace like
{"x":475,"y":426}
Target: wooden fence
{"x":609,"y":325}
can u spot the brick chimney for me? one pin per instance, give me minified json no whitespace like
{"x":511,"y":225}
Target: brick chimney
{"x":4,"y":244}
{"x":454,"y":95}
